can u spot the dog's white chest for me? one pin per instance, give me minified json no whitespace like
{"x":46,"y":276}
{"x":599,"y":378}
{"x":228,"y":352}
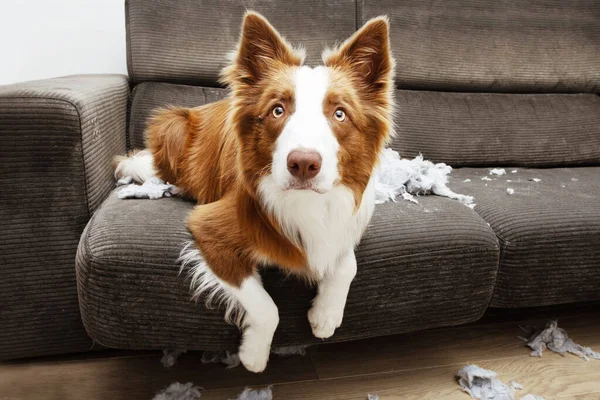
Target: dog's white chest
{"x":325,"y":225}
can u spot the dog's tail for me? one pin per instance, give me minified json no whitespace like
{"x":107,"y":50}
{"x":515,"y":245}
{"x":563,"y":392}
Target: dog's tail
{"x":167,"y":131}
{"x":137,"y":164}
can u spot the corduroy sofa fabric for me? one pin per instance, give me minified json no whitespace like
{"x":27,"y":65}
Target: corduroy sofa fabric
{"x":481,"y":129}
{"x":186,"y":41}
{"x":546,"y":46}
{"x":549,"y":232}
{"x":420,"y":266}
{"x":57,"y":138}
{"x":147,"y":96}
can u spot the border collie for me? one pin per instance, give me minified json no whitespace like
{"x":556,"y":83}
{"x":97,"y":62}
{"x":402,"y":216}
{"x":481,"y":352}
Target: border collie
{"x":281,"y":171}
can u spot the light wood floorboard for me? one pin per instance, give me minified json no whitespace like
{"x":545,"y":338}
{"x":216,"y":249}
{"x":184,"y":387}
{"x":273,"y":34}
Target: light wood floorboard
{"x":419,"y":365}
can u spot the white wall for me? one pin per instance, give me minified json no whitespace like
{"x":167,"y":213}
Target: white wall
{"x":48,"y":38}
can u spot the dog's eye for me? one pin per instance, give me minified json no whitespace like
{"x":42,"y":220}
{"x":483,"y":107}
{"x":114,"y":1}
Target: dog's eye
{"x":277,"y":111}
{"x":339,"y":114}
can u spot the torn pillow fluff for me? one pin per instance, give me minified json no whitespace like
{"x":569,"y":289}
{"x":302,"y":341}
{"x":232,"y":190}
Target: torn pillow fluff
{"x":152,"y":189}
{"x":400,"y":177}
{"x":556,"y":339}
{"x":179,"y":391}
{"x":187,"y":391}
{"x":482,"y":383}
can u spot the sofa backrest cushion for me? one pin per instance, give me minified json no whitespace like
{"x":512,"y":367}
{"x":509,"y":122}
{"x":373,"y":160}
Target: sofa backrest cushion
{"x":498,"y":129}
{"x":543,"y":46}
{"x":187,"y":41}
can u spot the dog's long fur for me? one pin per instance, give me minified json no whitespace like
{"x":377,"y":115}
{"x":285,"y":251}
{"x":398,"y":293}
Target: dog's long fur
{"x":230,"y":156}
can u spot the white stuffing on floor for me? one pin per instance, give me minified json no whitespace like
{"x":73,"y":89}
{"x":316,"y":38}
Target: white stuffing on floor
{"x":179,"y":391}
{"x":467,"y":180}
{"x":255,"y":394}
{"x":498,"y":171}
{"x":482,"y":384}
{"x":372,"y":397}
{"x":556,"y":339}
{"x":485,"y":178}
{"x":510,"y":190}
{"x":535,"y":179}
{"x":187,"y":391}
{"x":515,"y":385}
{"x":532,"y":397}
{"x":231,"y":360}
{"x":514,"y":171}
{"x":170,"y":357}
{"x":396,"y":176}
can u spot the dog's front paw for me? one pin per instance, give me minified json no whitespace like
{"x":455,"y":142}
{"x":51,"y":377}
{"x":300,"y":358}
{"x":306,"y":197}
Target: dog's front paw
{"x":254,"y":353}
{"x":324,"y":320}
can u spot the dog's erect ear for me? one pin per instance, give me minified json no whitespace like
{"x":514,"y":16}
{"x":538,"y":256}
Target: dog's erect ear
{"x":260,"y":49}
{"x":367,"y":54}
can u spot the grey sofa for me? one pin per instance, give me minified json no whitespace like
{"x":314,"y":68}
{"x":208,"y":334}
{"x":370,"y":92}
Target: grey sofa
{"x":481,"y":84}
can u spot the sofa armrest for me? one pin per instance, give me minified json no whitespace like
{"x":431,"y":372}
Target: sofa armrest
{"x":57,"y":140}
{"x":76,"y":120}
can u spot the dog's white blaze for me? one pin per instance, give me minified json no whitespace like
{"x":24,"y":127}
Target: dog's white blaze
{"x":308,"y":128}
{"x":326,"y":223}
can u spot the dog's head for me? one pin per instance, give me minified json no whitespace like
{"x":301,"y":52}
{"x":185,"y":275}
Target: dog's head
{"x":302,"y":128}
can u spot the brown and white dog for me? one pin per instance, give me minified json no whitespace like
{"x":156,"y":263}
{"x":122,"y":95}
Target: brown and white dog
{"x":282,"y":173}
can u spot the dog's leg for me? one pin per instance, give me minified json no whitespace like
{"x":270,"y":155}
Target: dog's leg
{"x":327,"y":311}
{"x":247,"y":305}
{"x":261,"y":318}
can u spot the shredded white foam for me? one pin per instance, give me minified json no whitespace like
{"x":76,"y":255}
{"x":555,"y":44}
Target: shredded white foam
{"x":395,"y":176}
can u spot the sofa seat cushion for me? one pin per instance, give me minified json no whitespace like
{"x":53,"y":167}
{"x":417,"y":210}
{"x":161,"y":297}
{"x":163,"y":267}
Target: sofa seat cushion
{"x":420,"y":266}
{"x":549,"y":232}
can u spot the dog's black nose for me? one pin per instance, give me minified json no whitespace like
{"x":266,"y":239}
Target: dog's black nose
{"x":304,"y":164}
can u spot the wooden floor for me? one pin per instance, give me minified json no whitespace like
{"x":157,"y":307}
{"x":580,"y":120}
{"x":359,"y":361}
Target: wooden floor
{"x":419,"y":365}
